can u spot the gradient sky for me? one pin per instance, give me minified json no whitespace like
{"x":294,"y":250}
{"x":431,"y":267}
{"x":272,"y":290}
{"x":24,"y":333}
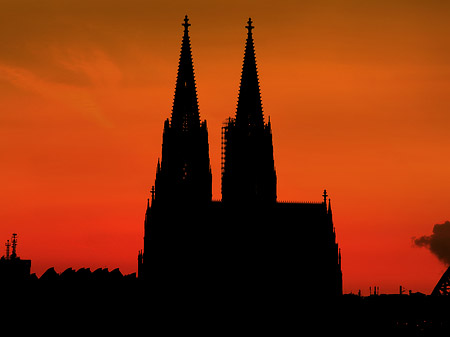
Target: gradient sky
{"x":358,"y":93}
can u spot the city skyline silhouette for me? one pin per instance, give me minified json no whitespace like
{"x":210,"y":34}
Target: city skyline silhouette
{"x":274,"y":262}
{"x":356,"y":96}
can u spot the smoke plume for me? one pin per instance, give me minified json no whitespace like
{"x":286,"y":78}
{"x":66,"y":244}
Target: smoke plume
{"x":438,"y":242}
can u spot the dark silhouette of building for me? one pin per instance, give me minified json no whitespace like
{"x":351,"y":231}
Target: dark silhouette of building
{"x":182,"y":190}
{"x":184,"y":173}
{"x":248,"y":170}
{"x":84,"y":276}
{"x":12,"y":267}
{"x":247,"y":240}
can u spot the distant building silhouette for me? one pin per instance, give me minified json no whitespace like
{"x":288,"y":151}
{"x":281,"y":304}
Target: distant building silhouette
{"x":12,"y":267}
{"x":84,"y":276}
{"x":14,"y":270}
{"x":248,"y":239}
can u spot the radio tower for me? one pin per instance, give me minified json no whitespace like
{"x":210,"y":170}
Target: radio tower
{"x":7,"y":244}
{"x":14,"y":245}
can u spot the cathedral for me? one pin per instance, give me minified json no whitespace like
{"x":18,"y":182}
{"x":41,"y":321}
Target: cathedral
{"x":248,"y":240}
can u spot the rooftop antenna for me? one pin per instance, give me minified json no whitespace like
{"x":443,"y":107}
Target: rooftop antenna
{"x":14,"y":246}
{"x":7,"y":244}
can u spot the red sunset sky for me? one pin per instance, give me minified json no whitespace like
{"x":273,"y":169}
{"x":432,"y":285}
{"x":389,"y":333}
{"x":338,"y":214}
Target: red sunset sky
{"x":358,"y":93}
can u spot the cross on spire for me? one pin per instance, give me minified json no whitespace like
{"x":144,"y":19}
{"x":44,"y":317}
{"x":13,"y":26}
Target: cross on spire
{"x":249,"y":27}
{"x":325,"y":195}
{"x":186,"y":23}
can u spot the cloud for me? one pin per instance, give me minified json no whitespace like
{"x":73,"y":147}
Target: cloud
{"x":438,"y":242}
{"x":79,"y":99}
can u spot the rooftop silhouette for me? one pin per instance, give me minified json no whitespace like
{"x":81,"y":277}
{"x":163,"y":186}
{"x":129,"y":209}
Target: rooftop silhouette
{"x":12,"y":267}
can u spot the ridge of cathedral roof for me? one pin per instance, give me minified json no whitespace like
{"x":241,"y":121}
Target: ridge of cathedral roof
{"x":185,"y":111}
{"x":299,"y":202}
{"x":249,"y":107}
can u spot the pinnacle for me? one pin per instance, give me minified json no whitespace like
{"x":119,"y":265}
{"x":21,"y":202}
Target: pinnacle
{"x":249,"y":110}
{"x":185,"y":112}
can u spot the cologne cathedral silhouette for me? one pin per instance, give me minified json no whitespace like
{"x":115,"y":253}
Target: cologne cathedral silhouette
{"x":248,"y":240}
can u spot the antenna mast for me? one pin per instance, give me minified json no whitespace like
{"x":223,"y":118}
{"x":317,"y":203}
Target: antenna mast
{"x":14,"y":246}
{"x":7,"y":244}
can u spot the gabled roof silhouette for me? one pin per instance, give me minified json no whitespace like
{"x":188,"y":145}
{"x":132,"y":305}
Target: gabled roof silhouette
{"x":49,"y":275}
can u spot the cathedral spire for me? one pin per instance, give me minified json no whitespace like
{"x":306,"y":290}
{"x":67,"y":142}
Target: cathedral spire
{"x":248,"y":166}
{"x":185,"y":113}
{"x":249,"y":107}
{"x":184,"y":174}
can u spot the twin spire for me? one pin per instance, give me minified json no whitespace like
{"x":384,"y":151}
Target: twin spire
{"x":185,"y":111}
{"x":248,"y":171}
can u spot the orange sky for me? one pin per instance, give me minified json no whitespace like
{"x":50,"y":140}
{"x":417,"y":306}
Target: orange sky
{"x":358,"y":95}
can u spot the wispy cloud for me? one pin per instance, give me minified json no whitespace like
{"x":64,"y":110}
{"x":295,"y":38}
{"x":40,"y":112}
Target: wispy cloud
{"x":101,"y":74}
{"x":100,"y":70}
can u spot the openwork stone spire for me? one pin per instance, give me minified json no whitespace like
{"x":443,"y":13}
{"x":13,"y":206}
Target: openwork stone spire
{"x":185,"y":113}
{"x":248,"y":170}
{"x":184,"y":174}
{"x":249,"y":107}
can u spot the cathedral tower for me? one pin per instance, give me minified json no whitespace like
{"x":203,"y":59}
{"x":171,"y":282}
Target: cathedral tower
{"x":182,"y":189}
{"x":184,"y":174}
{"x":248,"y":240}
{"x":248,"y":171}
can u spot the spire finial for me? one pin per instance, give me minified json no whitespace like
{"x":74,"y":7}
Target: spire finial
{"x":186,"y":23}
{"x":249,"y":27}
{"x":325,"y":195}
